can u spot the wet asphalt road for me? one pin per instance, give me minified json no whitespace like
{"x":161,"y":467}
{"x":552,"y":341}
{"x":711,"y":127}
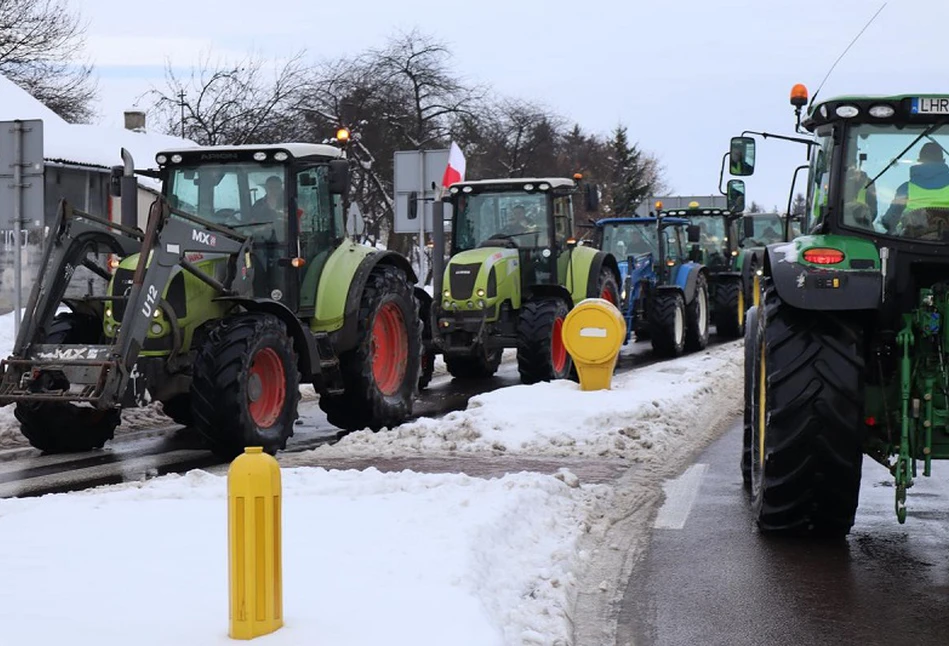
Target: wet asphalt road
{"x":717,"y":581}
{"x":139,"y":455}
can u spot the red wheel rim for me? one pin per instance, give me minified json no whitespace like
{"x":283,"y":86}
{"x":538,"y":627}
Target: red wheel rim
{"x":390,"y":349}
{"x":607,"y":294}
{"x":558,"y":352}
{"x":267,"y":388}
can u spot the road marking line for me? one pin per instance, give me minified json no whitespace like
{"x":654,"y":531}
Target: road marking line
{"x":680,"y":493}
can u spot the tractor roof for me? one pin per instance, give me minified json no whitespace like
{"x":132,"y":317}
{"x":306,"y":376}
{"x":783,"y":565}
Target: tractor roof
{"x":638,"y":220}
{"x":895,"y":108}
{"x":246,"y":151}
{"x":515,"y":183}
{"x":691,"y":212}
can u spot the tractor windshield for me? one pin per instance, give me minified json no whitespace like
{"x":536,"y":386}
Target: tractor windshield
{"x":712,"y":233}
{"x":910,"y":196}
{"x":769,"y":228}
{"x":627,"y":239}
{"x":249,"y":197}
{"x":513,"y":215}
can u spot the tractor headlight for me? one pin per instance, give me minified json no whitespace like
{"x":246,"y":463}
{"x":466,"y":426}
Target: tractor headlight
{"x":481,"y":304}
{"x":108,"y":312}
{"x":470,"y":305}
{"x":447,"y":304}
{"x":446,"y":293}
{"x":623,"y":294}
{"x":157,"y":313}
{"x":480,"y":293}
{"x":156,"y":328}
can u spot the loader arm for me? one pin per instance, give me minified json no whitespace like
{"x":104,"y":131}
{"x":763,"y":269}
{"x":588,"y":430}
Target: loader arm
{"x":99,"y":374}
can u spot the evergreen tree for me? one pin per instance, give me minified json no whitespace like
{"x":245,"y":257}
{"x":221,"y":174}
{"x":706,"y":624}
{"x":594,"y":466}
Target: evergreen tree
{"x":629,"y":182}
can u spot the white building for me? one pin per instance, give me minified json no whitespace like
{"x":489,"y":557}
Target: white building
{"x":79,"y":157}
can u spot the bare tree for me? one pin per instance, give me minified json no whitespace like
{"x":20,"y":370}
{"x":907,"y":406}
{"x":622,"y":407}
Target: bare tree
{"x":230,"y":103}
{"x":41,"y":44}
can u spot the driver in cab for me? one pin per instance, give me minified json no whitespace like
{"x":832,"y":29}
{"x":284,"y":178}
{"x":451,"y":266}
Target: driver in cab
{"x":519,"y":222}
{"x":270,"y":207}
{"x":928,"y":186}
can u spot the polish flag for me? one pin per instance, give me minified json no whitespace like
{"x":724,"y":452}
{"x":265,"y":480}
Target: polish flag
{"x":456,"y":166}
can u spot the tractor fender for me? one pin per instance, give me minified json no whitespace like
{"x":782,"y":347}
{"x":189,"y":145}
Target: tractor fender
{"x":600,"y":260}
{"x":751,"y":260}
{"x":817,"y":288}
{"x":688,"y":277}
{"x":345,"y":339}
{"x":549,"y":291}
{"x":304,"y":343}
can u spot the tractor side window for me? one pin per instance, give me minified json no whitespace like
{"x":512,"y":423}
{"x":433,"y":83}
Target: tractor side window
{"x":561,"y":220}
{"x":673,"y":250}
{"x":315,"y":211}
{"x":819,"y":188}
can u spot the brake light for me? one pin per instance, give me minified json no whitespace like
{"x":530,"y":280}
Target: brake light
{"x":823,"y":256}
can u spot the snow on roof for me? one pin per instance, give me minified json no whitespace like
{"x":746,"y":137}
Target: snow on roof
{"x":83,"y":144}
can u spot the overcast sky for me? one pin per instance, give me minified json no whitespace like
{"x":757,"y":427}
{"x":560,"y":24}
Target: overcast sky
{"x":682,"y":75}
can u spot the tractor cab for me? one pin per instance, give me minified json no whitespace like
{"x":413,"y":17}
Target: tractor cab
{"x":762,"y":229}
{"x":286,"y":197}
{"x":717,"y":246}
{"x":532,"y":216}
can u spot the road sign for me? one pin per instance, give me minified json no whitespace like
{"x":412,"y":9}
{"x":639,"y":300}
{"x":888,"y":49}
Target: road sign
{"x":415,"y":172}
{"x":21,"y":193}
{"x":21,"y":188}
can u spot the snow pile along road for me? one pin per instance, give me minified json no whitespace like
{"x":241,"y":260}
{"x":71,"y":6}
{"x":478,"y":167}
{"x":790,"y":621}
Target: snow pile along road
{"x":646,"y":410}
{"x":369,"y":558}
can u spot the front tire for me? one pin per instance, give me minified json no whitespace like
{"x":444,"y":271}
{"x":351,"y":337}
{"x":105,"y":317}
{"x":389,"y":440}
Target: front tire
{"x":667,"y":323}
{"x":807,"y":481}
{"x":246,"y":386}
{"x":480,"y":365}
{"x":381,"y":373}
{"x":751,"y":393}
{"x":541,"y":353}
{"x":730,"y":308}
{"x":696,"y":316}
{"x":57,"y":427}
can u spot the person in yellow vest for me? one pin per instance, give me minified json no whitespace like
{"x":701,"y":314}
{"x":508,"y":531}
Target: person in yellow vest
{"x":928,"y":186}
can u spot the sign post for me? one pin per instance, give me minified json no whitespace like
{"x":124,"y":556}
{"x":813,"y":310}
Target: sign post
{"x":416,"y":184}
{"x":21,"y":188}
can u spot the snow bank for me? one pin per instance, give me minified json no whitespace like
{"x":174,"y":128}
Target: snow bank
{"x":645,"y":410}
{"x":369,"y":558}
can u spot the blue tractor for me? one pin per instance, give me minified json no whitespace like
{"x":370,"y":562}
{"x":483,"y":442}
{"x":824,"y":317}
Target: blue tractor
{"x":664,"y":295}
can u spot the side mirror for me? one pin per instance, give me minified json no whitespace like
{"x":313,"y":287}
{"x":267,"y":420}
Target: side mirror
{"x":115,"y":181}
{"x":748,"y":226}
{"x":413,"y":205}
{"x":742,"y":157}
{"x":735,"y":191}
{"x":591,"y":197}
{"x":339,"y":177}
{"x":694,"y":233}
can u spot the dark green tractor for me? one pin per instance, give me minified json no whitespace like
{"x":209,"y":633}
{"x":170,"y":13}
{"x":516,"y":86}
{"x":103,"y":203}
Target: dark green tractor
{"x":242,"y":286}
{"x":846,"y":355}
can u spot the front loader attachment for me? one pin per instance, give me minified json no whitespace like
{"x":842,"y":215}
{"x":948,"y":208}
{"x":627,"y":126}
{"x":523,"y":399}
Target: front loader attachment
{"x":99,"y":374}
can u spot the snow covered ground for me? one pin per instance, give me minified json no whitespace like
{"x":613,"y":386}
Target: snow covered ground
{"x":369,"y":556}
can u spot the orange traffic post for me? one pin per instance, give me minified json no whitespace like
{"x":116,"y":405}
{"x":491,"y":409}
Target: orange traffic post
{"x":593,"y":333}
{"x":254,"y":544}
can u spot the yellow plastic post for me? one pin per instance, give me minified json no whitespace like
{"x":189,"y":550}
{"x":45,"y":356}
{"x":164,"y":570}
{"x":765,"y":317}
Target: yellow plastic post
{"x":593,"y":333}
{"x":756,"y":298}
{"x":254,"y":544}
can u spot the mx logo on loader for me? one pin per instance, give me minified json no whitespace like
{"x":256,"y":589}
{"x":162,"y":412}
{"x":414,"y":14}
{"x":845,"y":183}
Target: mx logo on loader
{"x":203,"y":237}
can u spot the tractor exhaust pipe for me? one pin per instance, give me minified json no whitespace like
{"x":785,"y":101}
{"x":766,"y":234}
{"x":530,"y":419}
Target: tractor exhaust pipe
{"x":129,"y":191}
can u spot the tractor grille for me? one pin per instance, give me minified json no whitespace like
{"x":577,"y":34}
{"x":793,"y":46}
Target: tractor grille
{"x":462,"y":279}
{"x":175,"y":295}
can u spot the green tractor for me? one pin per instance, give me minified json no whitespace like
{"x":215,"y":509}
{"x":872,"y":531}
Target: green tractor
{"x":846,"y":354}
{"x":242,"y":287}
{"x":513,"y":274}
{"x":730,"y":269}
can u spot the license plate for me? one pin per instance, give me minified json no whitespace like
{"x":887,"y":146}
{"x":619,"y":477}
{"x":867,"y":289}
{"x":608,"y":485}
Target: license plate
{"x":930,"y":105}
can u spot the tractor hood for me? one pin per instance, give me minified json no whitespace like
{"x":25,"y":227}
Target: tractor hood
{"x":485,"y":274}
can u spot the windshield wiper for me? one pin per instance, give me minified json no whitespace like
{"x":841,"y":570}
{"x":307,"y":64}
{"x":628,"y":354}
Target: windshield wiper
{"x":925,"y":133}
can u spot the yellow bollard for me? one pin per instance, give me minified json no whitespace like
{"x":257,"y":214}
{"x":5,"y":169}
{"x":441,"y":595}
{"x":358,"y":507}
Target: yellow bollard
{"x":254,"y":544}
{"x":756,"y":297}
{"x":593,"y":333}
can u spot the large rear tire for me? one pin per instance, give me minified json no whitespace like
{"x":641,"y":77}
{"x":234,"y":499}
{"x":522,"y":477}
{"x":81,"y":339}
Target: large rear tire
{"x":730,"y":308}
{"x":246,"y":386}
{"x":607,"y":287}
{"x":54,"y":427}
{"x":810,"y":411}
{"x":480,"y":365}
{"x":541,"y":353}
{"x":697,"y":318}
{"x":667,"y":323}
{"x":381,"y":373}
